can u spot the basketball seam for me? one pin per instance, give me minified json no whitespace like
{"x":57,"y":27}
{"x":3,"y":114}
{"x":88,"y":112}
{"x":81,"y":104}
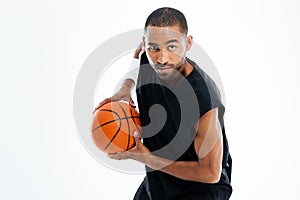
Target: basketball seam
{"x":106,"y":123}
{"x":128,"y":141}
{"x":115,"y":135}
{"x":132,"y":118}
{"x":111,"y":120}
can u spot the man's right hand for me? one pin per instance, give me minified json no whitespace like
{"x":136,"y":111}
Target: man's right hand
{"x":123,"y":94}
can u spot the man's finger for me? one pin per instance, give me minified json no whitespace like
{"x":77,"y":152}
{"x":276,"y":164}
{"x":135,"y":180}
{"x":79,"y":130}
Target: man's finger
{"x":105,"y":101}
{"x":118,"y":155}
{"x":131,"y":102}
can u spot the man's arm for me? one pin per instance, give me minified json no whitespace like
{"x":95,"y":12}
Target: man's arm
{"x":208,"y":146}
{"x":124,"y":93}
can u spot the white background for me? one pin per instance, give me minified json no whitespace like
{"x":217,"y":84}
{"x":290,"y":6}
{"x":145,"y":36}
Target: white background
{"x":43,"y":44}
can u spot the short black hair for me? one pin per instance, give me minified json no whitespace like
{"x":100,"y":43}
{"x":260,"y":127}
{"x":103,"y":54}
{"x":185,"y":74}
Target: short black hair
{"x":163,"y":17}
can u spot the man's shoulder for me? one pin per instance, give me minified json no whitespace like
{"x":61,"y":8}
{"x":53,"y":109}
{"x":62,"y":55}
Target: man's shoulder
{"x":199,"y":79}
{"x":204,"y":87}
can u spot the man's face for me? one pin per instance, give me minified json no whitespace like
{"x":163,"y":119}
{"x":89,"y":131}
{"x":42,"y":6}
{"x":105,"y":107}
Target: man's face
{"x":166,"y":48}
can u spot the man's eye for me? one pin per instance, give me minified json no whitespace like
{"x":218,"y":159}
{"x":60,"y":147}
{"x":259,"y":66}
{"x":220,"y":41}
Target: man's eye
{"x":153,"y":48}
{"x":172,"y":47}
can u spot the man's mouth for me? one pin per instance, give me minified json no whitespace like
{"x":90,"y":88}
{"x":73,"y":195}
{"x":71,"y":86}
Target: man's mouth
{"x":162,"y":67}
{"x":162,"y":70}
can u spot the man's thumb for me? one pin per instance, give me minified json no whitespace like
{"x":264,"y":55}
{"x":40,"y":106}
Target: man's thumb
{"x":136,"y":136}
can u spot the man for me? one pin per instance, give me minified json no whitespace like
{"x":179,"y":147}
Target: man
{"x":188,"y":157}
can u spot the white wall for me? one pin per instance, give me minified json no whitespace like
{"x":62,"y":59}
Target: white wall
{"x":43,"y":44}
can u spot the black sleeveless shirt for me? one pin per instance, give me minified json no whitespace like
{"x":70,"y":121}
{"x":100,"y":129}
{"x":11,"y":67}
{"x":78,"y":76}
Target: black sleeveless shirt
{"x":168,"y":115}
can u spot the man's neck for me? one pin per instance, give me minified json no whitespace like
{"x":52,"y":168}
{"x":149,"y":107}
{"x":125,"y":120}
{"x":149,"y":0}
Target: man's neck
{"x":188,"y":68}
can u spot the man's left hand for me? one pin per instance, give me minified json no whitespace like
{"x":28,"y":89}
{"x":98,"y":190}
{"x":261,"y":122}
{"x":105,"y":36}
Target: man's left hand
{"x":139,"y":153}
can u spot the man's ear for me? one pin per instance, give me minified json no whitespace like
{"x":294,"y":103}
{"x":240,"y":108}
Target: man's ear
{"x":189,"y":42}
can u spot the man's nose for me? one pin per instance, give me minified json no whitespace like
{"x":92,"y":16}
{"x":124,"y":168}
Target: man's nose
{"x":162,"y":57}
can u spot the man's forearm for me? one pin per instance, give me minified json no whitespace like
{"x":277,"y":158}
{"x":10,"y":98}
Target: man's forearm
{"x":187,"y":170}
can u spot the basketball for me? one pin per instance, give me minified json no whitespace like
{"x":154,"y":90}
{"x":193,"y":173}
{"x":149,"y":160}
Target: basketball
{"x":113,"y":126}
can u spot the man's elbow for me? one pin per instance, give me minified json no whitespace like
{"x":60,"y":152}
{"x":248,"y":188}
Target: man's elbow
{"x":215,"y":173}
{"x":214,"y":179}
{"x":210,"y":174}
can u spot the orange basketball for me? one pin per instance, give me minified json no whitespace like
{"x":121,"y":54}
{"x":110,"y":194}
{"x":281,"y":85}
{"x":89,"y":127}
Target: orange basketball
{"x":113,"y":126}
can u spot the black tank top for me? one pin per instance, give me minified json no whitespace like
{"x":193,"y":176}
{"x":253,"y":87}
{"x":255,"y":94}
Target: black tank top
{"x":168,"y":114}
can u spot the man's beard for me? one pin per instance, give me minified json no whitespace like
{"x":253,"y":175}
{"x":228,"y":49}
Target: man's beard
{"x":175,"y":70}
